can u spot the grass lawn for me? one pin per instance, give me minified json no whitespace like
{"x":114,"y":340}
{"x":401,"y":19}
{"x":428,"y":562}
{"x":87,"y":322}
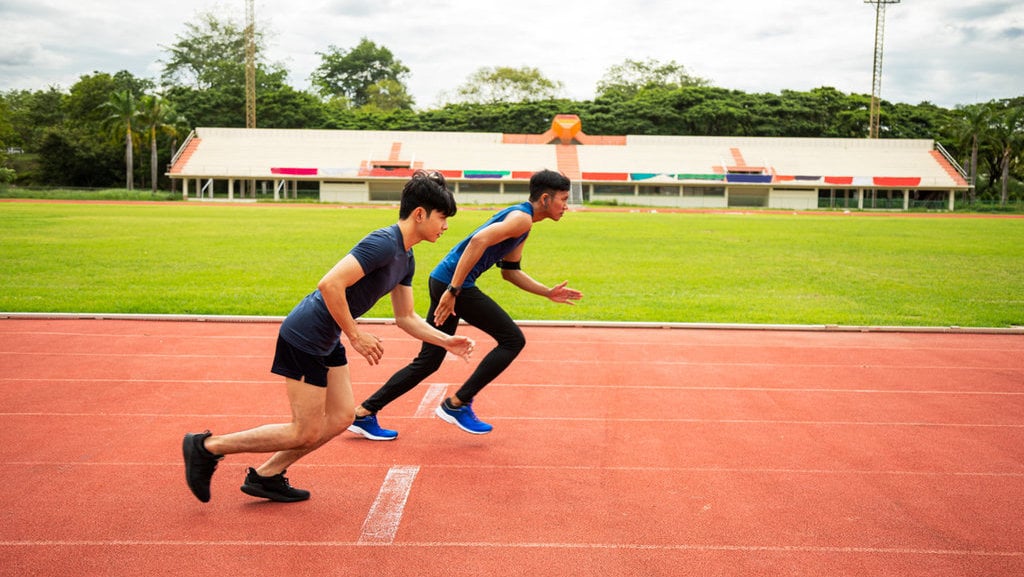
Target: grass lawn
{"x":755,"y":267}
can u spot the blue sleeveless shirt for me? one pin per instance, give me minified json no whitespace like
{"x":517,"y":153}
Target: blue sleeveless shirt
{"x":446,"y":268}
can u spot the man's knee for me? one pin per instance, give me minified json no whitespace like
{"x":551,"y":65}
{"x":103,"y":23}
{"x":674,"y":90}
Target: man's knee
{"x":514,"y":341}
{"x":428,"y":362}
{"x":307,"y":436}
{"x":338,"y":422}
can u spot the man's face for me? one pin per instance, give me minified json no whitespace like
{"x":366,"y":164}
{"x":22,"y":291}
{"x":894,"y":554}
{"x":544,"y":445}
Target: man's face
{"x":559,"y":204}
{"x":434,"y":225}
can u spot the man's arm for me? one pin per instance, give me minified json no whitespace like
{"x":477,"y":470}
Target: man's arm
{"x":511,"y":272}
{"x":332,"y":286}
{"x":515,"y":224}
{"x":413,"y":324}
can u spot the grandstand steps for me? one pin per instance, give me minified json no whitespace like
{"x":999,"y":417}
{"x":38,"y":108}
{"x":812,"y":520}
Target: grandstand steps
{"x":946,"y":166}
{"x":568,"y":161}
{"x":185,"y":155}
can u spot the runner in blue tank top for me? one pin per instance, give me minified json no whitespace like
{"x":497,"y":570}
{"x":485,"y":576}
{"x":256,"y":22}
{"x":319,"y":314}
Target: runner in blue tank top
{"x":312,"y":359}
{"x":454,"y":295}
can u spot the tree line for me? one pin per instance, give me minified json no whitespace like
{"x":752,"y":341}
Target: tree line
{"x":115,"y":129}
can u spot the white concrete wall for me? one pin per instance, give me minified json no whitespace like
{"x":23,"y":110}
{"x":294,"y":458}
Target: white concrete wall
{"x":344,"y":192}
{"x":793,"y":199}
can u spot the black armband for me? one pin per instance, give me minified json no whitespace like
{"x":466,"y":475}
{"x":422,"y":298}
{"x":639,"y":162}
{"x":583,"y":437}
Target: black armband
{"x":508,"y":265}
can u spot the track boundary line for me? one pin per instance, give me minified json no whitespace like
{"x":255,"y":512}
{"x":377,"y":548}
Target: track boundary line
{"x":564,"y":419}
{"x":1017,"y":330}
{"x":619,"y":469}
{"x":271,"y":382}
{"x":491,"y":545}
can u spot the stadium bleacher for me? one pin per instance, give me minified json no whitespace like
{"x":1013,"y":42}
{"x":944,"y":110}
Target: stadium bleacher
{"x":668,"y":171}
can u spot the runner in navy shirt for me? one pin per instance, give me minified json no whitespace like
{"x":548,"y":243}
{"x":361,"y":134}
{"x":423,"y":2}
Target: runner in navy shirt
{"x":454,"y":295}
{"x":311,"y":357}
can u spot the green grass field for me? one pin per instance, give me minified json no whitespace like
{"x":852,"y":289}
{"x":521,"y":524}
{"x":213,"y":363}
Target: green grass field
{"x":757,"y":267}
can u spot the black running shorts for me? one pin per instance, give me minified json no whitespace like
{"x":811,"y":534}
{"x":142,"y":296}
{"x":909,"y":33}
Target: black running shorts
{"x":293,"y":363}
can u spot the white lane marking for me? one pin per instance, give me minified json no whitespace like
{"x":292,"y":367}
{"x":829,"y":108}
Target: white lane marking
{"x":381,"y":523}
{"x":510,"y":546}
{"x":431,"y":399}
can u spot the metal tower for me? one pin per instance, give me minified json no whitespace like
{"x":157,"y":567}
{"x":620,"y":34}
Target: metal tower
{"x":250,"y":65}
{"x":876,"y":73}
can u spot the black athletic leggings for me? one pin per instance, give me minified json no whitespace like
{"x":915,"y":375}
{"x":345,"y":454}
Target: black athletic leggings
{"x":477,"y":309}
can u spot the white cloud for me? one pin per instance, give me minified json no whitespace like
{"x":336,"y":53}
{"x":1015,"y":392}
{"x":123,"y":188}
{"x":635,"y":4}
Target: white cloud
{"x":944,"y":51}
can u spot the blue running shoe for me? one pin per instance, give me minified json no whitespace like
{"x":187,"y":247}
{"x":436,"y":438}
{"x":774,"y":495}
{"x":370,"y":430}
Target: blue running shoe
{"x":367,"y":426}
{"x":462,"y":417}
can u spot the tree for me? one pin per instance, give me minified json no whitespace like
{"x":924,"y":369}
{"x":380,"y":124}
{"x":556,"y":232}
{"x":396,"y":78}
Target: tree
{"x":155,"y":115}
{"x":84,"y":103}
{"x":387,"y":95}
{"x":211,"y":52}
{"x":968,"y":127}
{"x":352,"y":74}
{"x":30,"y":114}
{"x":122,"y":112}
{"x":490,"y":85}
{"x":1008,"y":138}
{"x":924,"y":120}
{"x":280,"y":105}
{"x":70,"y":156}
{"x":623,"y":81}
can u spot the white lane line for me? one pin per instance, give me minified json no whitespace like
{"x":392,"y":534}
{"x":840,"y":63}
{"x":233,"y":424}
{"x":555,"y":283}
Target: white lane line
{"x":813,"y":549}
{"x":581,"y":469}
{"x":431,"y":399}
{"x":381,"y":523}
{"x":443,"y":386}
{"x":665,"y":420}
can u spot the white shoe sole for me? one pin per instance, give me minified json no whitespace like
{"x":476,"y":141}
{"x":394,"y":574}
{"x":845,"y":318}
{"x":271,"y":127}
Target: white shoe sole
{"x":359,"y":431}
{"x":450,"y":419}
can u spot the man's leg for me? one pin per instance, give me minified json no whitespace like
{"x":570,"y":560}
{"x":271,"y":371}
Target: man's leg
{"x":268,"y":481}
{"x":426,"y":363}
{"x":334,"y":416}
{"x":482,"y":312}
{"x":202,"y":451}
{"x":479,"y":310}
{"x":307,"y":404}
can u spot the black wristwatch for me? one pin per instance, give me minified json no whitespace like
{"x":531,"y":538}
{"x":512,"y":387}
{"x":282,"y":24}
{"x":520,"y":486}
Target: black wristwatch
{"x":454,"y":290}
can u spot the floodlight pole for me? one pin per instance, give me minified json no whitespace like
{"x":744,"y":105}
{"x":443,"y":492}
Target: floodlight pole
{"x":876,"y":71}
{"x":250,"y":65}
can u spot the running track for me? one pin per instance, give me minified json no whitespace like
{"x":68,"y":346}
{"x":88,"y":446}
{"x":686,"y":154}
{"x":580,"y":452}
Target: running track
{"x":616,"y":451}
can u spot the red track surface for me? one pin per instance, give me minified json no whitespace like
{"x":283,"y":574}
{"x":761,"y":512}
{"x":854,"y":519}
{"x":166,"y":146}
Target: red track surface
{"x":615,"y":452}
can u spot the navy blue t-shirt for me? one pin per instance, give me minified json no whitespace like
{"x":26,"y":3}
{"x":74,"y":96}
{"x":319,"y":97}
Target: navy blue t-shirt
{"x":445,"y":270}
{"x":386,"y":264}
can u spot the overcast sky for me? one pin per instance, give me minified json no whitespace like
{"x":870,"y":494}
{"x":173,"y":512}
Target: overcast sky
{"x":947,"y":52}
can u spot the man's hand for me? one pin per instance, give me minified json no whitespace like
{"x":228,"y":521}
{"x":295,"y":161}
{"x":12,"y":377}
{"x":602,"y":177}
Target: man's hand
{"x":369,"y":346}
{"x":445,"y":308}
{"x":563,"y":294}
{"x":460,"y":346}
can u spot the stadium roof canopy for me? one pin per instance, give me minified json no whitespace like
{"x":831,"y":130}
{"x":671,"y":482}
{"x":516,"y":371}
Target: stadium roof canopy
{"x":351,"y":165}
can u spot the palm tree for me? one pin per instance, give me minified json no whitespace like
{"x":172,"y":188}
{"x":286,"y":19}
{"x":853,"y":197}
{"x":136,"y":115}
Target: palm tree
{"x":971,"y":127}
{"x":122,"y":115}
{"x":1008,"y":138}
{"x":155,"y":115}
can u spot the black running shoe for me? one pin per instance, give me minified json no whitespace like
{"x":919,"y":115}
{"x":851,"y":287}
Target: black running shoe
{"x":275,"y":488}
{"x":199,"y":464}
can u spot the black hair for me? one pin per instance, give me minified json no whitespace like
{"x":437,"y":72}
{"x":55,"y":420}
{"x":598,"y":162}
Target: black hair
{"x":430,"y":190}
{"x":547,"y":181}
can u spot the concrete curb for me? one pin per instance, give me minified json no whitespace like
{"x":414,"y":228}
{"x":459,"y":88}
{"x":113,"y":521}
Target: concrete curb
{"x":1014,"y":330}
